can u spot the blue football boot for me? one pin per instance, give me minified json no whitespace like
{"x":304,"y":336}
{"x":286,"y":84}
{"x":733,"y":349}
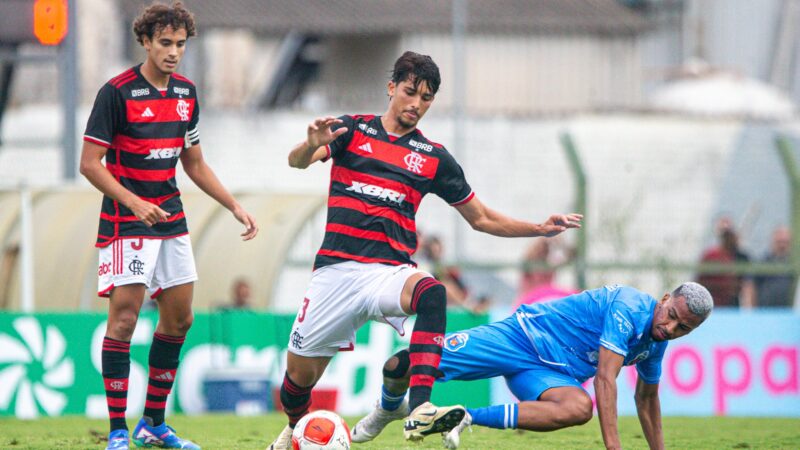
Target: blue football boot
{"x":118,"y":440}
{"x":162,"y":436}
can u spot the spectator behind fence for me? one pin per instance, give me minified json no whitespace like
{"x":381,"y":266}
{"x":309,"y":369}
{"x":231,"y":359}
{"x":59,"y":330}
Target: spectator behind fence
{"x":726,"y":287}
{"x":537,"y":283}
{"x":536,"y":267}
{"x":429,"y":259}
{"x":542,"y":258}
{"x":240,"y":290}
{"x":421,"y":254}
{"x":448,"y":275}
{"x":776,"y":290}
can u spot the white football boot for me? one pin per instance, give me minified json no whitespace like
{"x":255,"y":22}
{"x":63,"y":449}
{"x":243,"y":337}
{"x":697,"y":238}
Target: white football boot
{"x":283,"y":441}
{"x":428,"y":419}
{"x":371,"y":426}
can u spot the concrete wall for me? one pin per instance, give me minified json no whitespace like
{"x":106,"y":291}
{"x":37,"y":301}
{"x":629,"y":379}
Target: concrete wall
{"x":656,"y":183}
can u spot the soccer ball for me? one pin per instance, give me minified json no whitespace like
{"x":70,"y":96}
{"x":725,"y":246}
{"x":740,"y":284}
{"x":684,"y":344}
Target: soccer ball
{"x":321,"y":430}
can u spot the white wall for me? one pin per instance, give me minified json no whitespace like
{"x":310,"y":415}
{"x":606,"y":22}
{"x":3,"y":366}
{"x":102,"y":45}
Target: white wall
{"x":655,"y":182}
{"x":523,"y":74}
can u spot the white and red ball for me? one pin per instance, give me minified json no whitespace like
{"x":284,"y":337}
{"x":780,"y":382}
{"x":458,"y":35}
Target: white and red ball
{"x":321,"y":430}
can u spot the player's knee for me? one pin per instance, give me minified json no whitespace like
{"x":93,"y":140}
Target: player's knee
{"x":584,"y":414}
{"x":184,"y":324}
{"x":397,"y":366}
{"x":179,"y":326}
{"x":123,"y":324}
{"x":580,"y":410}
{"x":433,"y":299}
{"x":303,"y":377}
{"x":390,"y":367}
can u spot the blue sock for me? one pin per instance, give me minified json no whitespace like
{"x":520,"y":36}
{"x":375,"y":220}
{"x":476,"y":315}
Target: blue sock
{"x":497,"y":416}
{"x":389,"y":401}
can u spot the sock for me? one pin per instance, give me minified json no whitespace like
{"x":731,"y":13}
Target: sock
{"x":164,"y":357}
{"x":429,"y":301}
{"x":295,"y":399}
{"x":496,"y":416}
{"x":116,"y":363}
{"x":389,"y":401}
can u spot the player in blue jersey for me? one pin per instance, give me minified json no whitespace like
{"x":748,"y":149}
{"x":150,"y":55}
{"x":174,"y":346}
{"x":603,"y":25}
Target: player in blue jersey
{"x":545,"y":351}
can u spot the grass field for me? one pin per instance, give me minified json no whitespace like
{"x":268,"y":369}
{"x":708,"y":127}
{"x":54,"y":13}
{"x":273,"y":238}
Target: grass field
{"x":229,"y":433}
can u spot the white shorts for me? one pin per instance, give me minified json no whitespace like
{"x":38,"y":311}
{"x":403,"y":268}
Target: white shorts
{"x":343,"y":297}
{"x":157,"y":263}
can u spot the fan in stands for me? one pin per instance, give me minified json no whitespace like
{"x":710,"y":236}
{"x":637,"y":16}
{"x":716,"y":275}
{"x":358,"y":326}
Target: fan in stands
{"x":321,"y":430}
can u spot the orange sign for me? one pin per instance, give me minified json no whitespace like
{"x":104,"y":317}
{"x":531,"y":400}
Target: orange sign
{"x":50,"y":21}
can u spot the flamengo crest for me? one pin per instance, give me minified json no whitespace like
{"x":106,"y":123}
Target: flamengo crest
{"x":183,"y":110}
{"x":414,"y":162}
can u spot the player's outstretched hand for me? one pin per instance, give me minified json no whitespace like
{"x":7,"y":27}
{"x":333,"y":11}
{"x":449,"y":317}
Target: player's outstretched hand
{"x":558,"y":223}
{"x":319,"y":131}
{"x":149,"y":213}
{"x":251,"y":228}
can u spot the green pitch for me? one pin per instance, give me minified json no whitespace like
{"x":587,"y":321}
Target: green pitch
{"x":228,"y":433}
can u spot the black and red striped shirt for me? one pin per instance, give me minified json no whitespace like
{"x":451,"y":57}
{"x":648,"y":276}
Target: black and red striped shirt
{"x":145,"y":130}
{"x":377,"y":184}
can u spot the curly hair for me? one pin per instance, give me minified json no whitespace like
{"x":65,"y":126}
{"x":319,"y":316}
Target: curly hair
{"x":159,"y":16}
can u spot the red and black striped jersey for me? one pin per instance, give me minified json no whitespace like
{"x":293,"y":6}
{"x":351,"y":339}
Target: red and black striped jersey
{"x":145,"y":130}
{"x":377,"y":184}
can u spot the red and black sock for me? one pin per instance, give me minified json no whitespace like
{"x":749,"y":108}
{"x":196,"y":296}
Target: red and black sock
{"x":295,"y":399}
{"x":429,"y":301}
{"x":116,"y":362}
{"x":164,"y":357}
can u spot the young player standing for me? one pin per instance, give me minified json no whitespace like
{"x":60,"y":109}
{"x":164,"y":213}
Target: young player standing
{"x":142,"y":122}
{"x":382,"y":167}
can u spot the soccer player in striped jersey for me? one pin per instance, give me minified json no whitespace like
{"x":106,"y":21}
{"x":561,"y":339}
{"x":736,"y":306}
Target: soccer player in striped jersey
{"x":142,"y":123}
{"x":382,"y":166}
{"x":545,"y":351}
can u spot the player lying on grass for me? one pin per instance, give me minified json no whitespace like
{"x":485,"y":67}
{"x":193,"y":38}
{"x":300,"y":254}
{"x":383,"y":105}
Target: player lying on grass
{"x":546,"y":351}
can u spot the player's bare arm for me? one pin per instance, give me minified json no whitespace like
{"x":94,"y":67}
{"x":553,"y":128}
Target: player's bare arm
{"x":605,"y":389}
{"x":196,"y":168}
{"x":93,"y":169}
{"x":482,"y":218}
{"x":648,"y":407}
{"x":313,"y":148}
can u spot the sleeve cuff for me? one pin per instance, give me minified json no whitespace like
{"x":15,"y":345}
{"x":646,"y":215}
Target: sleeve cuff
{"x":328,"y":154}
{"x":464,"y":200}
{"x":613,"y":347}
{"x":97,"y":141}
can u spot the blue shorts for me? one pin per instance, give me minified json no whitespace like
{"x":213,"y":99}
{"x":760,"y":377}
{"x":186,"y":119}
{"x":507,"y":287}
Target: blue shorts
{"x":500,"y":349}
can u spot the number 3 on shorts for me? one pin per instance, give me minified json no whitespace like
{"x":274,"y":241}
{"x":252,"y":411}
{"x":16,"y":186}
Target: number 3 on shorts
{"x":302,"y":316}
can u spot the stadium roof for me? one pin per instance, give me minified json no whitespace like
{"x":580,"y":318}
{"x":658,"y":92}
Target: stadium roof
{"x":403,"y":16}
